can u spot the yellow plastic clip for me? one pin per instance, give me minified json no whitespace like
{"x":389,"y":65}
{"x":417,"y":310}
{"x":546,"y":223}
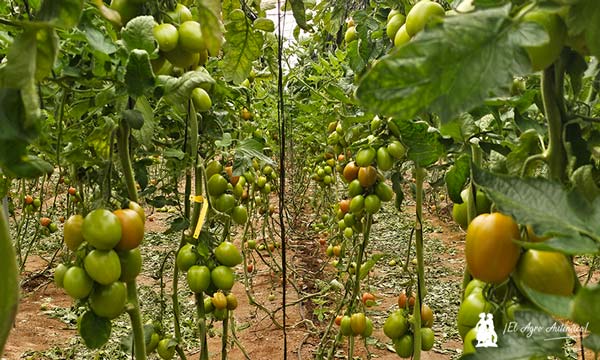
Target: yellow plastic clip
{"x":203,"y":211}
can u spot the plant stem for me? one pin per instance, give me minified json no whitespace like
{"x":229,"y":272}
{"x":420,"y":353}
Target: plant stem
{"x":136,"y":320}
{"x":551,"y":93}
{"x":421,"y":291}
{"x":125,"y":157}
{"x":202,"y":325}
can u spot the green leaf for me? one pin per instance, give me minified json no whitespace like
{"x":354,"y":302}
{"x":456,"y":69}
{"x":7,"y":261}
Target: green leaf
{"x":98,"y":40}
{"x":9,"y":286}
{"x":457,"y":177}
{"x":553,"y":304}
{"x":178,"y":90}
{"x":592,"y":342}
{"x":47,"y":49}
{"x":532,"y":334}
{"x":61,"y":13}
{"x":369,"y":264}
{"x":177,"y":225}
{"x":138,"y":74}
{"x":251,"y":149}
{"x":546,"y":205}
{"x":584,"y":17}
{"x":94,"y":330}
{"x":174,"y":153}
{"x":583,"y":181}
{"x":423,"y":141}
{"x":133,"y":118}
{"x":528,"y":144}
{"x":299,"y":13}
{"x":225,"y":141}
{"x":138,"y":34}
{"x":264,"y":24}
{"x":583,"y":245}
{"x":585,"y":309}
{"x":212,"y":30}
{"x":451,"y":68}
{"x":243,"y":45}
{"x":146,"y":133}
{"x":20,"y":67}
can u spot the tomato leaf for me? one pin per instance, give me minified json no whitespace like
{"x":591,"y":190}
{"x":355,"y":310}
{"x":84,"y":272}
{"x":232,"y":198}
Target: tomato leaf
{"x":584,"y":18}
{"x":264,"y":24}
{"x":553,"y":304}
{"x":546,"y":206}
{"x":457,"y":176}
{"x":9,"y":286}
{"x":179,"y":224}
{"x":94,"y":330}
{"x":98,"y":40}
{"x":299,"y":13}
{"x":178,"y":90}
{"x":138,"y":34}
{"x":133,"y":118}
{"x":47,"y":49}
{"x":583,"y":245}
{"x":61,"y":13}
{"x":138,"y":74}
{"x":451,"y":68}
{"x":424,"y":142}
{"x":585,"y":309}
{"x":243,"y":46}
{"x":146,"y":132}
{"x":209,"y":14}
{"x":369,"y":264}
{"x":532,"y":334}
{"x":592,"y":342}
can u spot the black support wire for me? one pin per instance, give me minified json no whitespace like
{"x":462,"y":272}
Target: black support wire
{"x":282,"y":140}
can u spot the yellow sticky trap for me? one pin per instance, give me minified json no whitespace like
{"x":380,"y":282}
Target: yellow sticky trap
{"x":202,"y":216}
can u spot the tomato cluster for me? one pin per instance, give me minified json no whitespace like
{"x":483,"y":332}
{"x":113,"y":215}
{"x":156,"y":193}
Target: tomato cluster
{"x":399,"y":327}
{"x":106,"y":245}
{"x":357,"y":324}
{"x":400,"y":29}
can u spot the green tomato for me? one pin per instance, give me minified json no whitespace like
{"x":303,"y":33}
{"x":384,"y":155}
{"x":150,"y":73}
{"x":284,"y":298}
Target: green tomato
{"x":350,"y":34}
{"x":239,"y":214}
{"x":59,"y":274}
{"x":345,"y":326}
{"x":547,"y":272}
{"x":222,"y":277}
{"x":384,"y":191}
{"x":355,"y":188}
{"x":190,"y":37}
{"x":357,"y":204}
{"x":384,"y":159}
{"x":186,"y":257}
{"x":427,"y":338}
{"x":394,"y":24}
{"x":395,"y":325}
{"x":167,"y":37}
{"x":396,"y":149}
{"x":372,"y":204}
{"x":468,"y":347}
{"x":224,"y":203}
{"x":166,"y":348}
{"x":468,"y":313}
{"x":77,"y":283}
{"x":228,"y":254}
{"x":365,"y":157}
{"x":198,"y":278}
{"x":109,"y":300}
{"x":103,"y":266}
{"x":401,"y":37}
{"x":201,"y":99}
{"x":421,"y":14}
{"x":404,"y":346}
{"x":217,"y":185}
{"x":182,"y":58}
{"x":101,"y":229}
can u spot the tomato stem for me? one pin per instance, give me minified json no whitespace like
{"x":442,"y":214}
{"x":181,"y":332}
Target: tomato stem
{"x":202,"y":325}
{"x":420,"y":174}
{"x":125,"y":157}
{"x":551,"y":93}
{"x":136,"y":321}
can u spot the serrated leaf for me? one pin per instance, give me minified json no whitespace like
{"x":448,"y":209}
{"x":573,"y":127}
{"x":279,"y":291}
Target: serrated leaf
{"x":457,"y":176}
{"x":355,"y":60}
{"x":178,"y":90}
{"x":545,"y":205}
{"x":61,"y":13}
{"x":138,"y":34}
{"x":209,"y":14}
{"x":532,"y":334}
{"x":139,"y":76}
{"x":369,"y":264}
{"x":451,"y":68}
{"x":423,"y":141}
{"x":264,"y":24}
{"x":98,"y":40}
{"x":243,"y":45}
{"x":225,"y":140}
{"x":133,"y":118}
{"x":299,"y":13}
{"x":94,"y":330}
